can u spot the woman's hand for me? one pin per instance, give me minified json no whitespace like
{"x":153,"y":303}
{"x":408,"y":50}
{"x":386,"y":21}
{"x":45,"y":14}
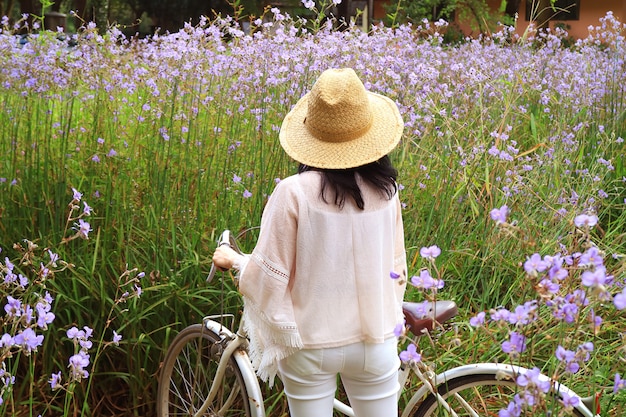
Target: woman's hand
{"x":224,"y":257}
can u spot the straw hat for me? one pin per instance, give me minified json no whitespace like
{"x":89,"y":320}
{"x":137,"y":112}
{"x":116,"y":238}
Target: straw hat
{"x":339,"y":124}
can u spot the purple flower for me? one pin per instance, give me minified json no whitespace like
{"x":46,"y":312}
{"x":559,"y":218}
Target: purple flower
{"x":43,"y":271}
{"x":88,"y":331}
{"x":6,"y":340}
{"x":236,"y":179}
{"x":556,"y":270}
{"x":478,"y":320}
{"x":247,"y":194}
{"x":426,"y":281}
{"x":594,"y":278}
{"x":74,"y":334}
{"x":499,"y":214}
{"x":13,"y":308}
{"x":568,"y":358}
{"x":523,"y":314}
{"x":430,"y":252}
{"x":80,"y":336}
{"x":549,"y":285}
{"x":53,"y":259}
{"x":535,"y":264}
{"x":619,"y":384}
{"x":86,"y":209}
{"x":514,"y":409}
{"x":533,"y":378}
{"x":29,"y":340}
{"x":596,"y":321}
{"x":585,"y":220}
{"x":570,"y":401}
{"x":77,"y":196}
{"x":410,"y":354}
{"x":501,"y":314}
{"x":620,"y":300}
{"x":116,"y":338}
{"x":77,"y":365}
{"x":399,"y":329}
{"x":564,"y":308}
{"x":394,"y":275}
{"x":55,"y":381}
{"x":164,"y":133}
{"x":516,"y":344}
{"x":83,"y":229}
{"x":44,"y":315}
{"x":592,"y":257}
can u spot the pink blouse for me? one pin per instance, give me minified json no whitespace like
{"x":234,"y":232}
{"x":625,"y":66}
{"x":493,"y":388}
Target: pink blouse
{"x":319,"y":276}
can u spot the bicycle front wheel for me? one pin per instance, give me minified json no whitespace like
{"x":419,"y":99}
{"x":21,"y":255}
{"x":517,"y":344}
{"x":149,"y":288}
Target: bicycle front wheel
{"x":188,"y":372}
{"x":481,"y":394}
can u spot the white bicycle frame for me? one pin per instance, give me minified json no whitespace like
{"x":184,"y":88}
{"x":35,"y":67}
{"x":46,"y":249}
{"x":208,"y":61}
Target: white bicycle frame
{"x":505,"y":371}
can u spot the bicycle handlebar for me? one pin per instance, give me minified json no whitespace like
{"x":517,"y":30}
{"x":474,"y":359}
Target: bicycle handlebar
{"x":226,"y":238}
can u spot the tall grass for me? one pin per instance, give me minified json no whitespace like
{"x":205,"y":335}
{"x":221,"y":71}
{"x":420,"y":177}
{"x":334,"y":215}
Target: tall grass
{"x":174,"y":138}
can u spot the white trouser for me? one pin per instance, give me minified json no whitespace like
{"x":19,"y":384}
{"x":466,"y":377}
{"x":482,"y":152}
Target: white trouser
{"x":369,"y":373}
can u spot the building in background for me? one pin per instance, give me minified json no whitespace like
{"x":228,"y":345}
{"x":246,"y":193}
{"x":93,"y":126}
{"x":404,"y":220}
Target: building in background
{"x":575,"y":15}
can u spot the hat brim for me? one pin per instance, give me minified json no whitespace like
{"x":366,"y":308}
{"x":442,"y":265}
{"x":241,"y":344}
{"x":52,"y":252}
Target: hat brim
{"x":382,"y":137}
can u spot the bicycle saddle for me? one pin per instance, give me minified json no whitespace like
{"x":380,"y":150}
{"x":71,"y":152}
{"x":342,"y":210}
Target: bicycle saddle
{"x":438,"y":313}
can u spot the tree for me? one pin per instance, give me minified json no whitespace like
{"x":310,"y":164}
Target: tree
{"x":475,"y":12}
{"x":101,"y":13}
{"x":416,"y":11}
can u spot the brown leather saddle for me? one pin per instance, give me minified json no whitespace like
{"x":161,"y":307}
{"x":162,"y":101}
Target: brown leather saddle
{"x":438,"y":313}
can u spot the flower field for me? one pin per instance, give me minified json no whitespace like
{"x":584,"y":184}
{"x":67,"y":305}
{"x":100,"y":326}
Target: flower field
{"x":124,"y":158}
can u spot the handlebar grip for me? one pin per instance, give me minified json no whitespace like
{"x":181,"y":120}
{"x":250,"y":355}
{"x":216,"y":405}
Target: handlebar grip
{"x":226,"y":238}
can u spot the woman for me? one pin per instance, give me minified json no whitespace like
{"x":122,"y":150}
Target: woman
{"x":318,"y":298}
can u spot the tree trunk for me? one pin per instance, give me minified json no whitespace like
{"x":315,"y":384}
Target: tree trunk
{"x":8,"y":10}
{"x":27,"y":6}
{"x":512,"y":7}
{"x":101,"y":14}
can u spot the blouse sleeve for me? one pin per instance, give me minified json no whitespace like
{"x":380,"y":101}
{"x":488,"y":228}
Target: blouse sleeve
{"x":264,"y":282}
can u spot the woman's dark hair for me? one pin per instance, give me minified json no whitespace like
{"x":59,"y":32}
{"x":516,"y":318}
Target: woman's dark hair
{"x":342,"y":182}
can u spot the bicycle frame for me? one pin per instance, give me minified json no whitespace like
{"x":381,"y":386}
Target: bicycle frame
{"x":235,"y":349}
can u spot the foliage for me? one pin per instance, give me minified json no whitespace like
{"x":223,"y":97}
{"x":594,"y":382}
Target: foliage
{"x":172,"y":138}
{"x":404,"y":11}
{"x":474,"y":12}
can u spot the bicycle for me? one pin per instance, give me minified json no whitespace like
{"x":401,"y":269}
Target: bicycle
{"x":207,"y":372}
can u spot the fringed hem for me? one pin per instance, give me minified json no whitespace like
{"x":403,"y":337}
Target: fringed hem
{"x":269,"y":342}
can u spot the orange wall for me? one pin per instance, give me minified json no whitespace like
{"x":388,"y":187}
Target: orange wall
{"x":590,"y":13}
